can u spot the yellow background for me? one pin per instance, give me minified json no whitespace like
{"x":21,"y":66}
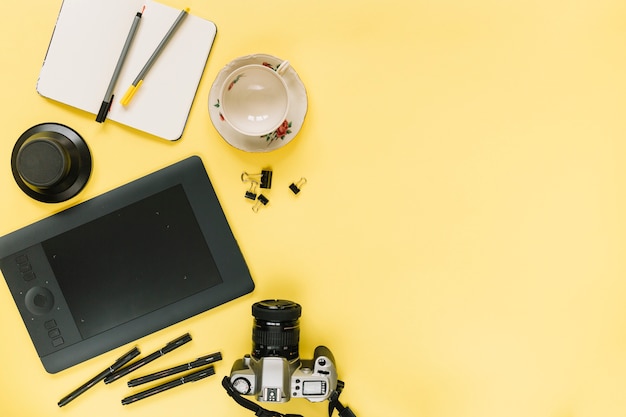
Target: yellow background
{"x":460,"y":242}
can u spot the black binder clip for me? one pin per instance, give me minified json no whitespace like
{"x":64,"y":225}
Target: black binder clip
{"x":264,"y":179}
{"x":251,"y":193}
{"x":296,"y":186}
{"x":262,"y":201}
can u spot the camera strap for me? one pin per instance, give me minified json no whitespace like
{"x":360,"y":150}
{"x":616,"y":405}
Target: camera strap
{"x":262,"y":412}
{"x":336,"y":405}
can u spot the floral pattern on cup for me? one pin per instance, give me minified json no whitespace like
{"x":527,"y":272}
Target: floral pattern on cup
{"x":283,"y":130}
{"x":267,"y":64}
{"x":232,"y":84}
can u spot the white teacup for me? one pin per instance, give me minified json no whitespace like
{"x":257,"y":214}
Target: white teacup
{"x":254,"y":99}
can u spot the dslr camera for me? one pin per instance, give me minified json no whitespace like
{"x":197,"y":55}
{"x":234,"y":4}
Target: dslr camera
{"x":274,"y":372}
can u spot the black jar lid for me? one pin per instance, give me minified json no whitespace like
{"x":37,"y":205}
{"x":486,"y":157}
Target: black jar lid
{"x":51,"y":162}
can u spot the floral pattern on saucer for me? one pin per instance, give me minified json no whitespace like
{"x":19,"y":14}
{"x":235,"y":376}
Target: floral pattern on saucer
{"x":285,"y":132}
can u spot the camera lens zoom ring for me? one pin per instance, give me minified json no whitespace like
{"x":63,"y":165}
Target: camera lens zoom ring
{"x":276,"y":339}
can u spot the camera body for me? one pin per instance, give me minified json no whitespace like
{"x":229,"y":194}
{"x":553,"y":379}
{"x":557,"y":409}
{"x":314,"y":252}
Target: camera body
{"x":274,"y":379}
{"x":274,"y":371}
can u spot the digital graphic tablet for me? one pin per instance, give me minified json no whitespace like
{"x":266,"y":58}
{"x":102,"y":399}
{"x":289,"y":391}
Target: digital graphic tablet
{"x":124,"y":264}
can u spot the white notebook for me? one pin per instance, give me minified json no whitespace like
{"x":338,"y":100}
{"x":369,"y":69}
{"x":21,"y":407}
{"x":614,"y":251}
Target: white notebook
{"x":86,"y":44}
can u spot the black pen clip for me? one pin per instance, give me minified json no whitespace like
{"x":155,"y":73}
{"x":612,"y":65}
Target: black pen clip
{"x":124,"y":359}
{"x":176,"y":343}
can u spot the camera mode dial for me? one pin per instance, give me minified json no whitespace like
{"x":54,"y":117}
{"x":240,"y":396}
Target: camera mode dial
{"x":242,"y":386}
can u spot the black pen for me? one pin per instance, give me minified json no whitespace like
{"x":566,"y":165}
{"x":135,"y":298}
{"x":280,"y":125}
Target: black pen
{"x":192,"y":377}
{"x":198,"y":363}
{"x":93,"y":381}
{"x":141,"y":362}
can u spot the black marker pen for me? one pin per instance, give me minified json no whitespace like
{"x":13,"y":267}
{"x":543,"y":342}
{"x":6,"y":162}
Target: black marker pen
{"x":93,"y":381}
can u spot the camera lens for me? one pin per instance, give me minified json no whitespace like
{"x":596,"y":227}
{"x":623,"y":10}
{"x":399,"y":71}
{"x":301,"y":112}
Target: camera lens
{"x":276,"y":330}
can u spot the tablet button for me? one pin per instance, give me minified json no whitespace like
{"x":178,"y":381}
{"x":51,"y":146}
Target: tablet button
{"x":50,"y":324}
{"x":29,"y":276}
{"x":54,"y":333}
{"x":57,"y":342}
{"x":25,"y":267}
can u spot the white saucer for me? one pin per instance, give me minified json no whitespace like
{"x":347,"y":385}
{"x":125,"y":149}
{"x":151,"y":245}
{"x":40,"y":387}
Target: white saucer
{"x":284,"y":134}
